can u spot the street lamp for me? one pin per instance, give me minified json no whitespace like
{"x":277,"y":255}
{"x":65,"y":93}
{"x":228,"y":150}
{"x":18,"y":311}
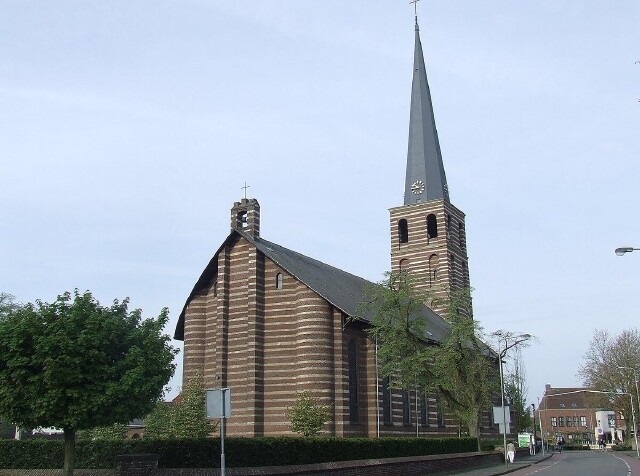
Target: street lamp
{"x":625,"y":249}
{"x":510,"y":340}
{"x":635,"y":378}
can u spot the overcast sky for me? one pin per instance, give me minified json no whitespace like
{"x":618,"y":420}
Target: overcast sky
{"x":127,"y":130}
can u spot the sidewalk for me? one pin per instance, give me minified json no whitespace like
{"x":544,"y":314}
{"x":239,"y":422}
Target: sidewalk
{"x":501,"y":468}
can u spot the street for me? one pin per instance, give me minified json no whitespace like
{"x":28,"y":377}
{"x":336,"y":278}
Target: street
{"x":584,"y":463}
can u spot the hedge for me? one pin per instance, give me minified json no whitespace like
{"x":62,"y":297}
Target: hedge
{"x":205,"y":453}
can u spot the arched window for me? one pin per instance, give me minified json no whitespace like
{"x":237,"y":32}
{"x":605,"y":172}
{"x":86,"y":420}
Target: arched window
{"x":433,"y":270}
{"x":432,"y":226}
{"x":242,"y":219}
{"x":386,"y":401}
{"x":279,"y":281}
{"x":353,"y":381}
{"x":403,"y":264}
{"x":403,"y":231}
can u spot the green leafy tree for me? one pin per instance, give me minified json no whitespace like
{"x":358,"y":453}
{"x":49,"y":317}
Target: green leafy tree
{"x":460,"y":368}
{"x":307,"y":416}
{"x":184,"y":418}
{"x":74,"y":364}
{"x":111,"y":432}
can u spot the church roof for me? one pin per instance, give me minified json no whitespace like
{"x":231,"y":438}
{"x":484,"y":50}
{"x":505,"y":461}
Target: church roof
{"x":425,"y":178}
{"x":343,"y":290}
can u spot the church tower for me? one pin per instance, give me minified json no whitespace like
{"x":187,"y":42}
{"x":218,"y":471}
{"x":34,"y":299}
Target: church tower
{"x":428,"y":239}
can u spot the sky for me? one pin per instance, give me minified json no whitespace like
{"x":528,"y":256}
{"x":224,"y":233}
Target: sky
{"x":128,"y":129}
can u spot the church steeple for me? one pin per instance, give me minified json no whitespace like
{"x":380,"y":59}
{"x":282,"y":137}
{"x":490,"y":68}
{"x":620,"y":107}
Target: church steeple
{"x":425,"y":178}
{"x":428,"y":237}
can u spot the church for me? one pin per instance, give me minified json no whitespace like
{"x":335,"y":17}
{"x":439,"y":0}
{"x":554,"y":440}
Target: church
{"x":269,"y":322}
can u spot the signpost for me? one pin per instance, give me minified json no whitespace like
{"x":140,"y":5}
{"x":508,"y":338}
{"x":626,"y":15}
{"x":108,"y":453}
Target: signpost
{"x":218,"y":405}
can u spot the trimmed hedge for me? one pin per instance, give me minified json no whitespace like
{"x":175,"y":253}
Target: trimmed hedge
{"x":205,"y":453}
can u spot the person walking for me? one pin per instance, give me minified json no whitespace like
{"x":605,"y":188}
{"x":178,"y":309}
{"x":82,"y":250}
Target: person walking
{"x":511,"y":452}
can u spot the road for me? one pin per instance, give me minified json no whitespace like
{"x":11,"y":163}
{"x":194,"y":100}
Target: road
{"x":584,"y":463}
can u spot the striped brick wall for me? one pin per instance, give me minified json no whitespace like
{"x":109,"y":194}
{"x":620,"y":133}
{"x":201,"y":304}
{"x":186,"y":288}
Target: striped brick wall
{"x":423,"y":256}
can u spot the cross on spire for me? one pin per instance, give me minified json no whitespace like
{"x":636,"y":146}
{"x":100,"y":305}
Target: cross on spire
{"x":245,"y":189}
{"x":415,"y":7}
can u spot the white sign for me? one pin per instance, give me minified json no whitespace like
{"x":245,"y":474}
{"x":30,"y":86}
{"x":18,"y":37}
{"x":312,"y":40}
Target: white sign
{"x":218,"y":403}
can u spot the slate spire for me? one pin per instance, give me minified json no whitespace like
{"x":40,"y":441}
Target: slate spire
{"x":425,"y":179}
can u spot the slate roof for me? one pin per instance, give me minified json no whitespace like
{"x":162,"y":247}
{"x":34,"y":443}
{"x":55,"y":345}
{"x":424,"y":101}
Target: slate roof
{"x":343,"y":290}
{"x":424,"y":159}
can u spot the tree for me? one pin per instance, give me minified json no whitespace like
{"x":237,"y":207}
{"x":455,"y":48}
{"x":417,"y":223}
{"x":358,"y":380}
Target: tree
{"x":111,"y":432}
{"x":609,"y":365}
{"x":461,"y":367}
{"x":307,"y":416}
{"x":516,"y":393}
{"x":7,"y":305}
{"x":184,"y":418}
{"x":74,"y":364}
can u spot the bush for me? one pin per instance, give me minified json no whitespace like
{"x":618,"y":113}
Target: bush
{"x":205,"y":452}
{"x":621,"y":448}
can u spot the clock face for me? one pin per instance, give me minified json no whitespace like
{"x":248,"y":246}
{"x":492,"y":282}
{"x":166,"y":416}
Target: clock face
{"x":417,"y":187}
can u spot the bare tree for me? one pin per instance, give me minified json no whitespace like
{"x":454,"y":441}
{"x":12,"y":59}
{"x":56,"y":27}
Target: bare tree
{"x":612,"y":364}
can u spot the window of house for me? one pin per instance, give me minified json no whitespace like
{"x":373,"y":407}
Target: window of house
{"x":575,"y":421}
{"x":406,"y":408}
{"x":432,"y":226}
{"x":279,"y":281}
{"x":568,"y":421}
{"x":403,"y":231}
{"x":386,"y":401}
{"x":215,"y":289}
{"x":353,"y":380}
{"x":448,"y":225}
{"x":554,"y":421}
{"x":560,"y":421}
{"x":583,"y":421}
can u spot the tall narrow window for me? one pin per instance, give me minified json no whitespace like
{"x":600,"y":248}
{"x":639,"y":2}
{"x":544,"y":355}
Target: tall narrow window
{"x":279,"y":281}
{"x":424,"y":411}
{"x":440,"y":412}
{"x":433,"y":270}
{"x":353,"y":381}
{"x":448,"y":225}
{"x":386,"y":401}
{"x":215,"y":289}
{"x":403,"y":231}
{"x":461,"y":234}
{"x":406,"y":407}
{"x":554,"y":421}
{"x":432,"y":226}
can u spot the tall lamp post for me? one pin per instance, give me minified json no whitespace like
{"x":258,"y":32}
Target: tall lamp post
{"x":625,"y":249}
{"x":510,"y":340}
{"x":635,"y":379}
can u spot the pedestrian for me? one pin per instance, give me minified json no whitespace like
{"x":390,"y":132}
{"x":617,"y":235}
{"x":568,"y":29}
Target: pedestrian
{"x":511,"y":452}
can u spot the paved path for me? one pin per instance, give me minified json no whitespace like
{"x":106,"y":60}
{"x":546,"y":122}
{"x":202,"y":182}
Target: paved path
{"x":630,"y":457}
